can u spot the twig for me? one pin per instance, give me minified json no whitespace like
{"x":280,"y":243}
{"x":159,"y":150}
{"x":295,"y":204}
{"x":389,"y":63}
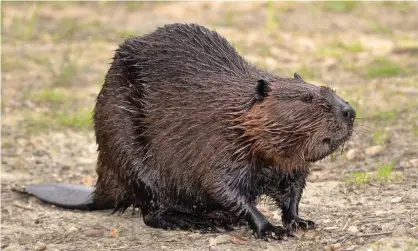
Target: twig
{"x":374,"y":234}
{"x":22,"y":206}
{"x":121,"y":248}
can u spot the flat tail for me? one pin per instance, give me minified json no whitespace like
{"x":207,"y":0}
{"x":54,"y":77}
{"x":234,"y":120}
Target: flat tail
{"x":69,"y":196}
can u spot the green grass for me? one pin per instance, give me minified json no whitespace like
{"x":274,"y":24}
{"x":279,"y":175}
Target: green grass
{"x":11,"y":63}
{"x":67,"y":70}
{"x":78,"y":119}
{"x":353,"y":47}
{"x":29,"y":27}
{"x":340,"y":49}
{"x":229,"y":17}
{"x":381,"y":137}
{"x":401,"y":5}
{"x":272,"y":23}
{"x":307,"y":73}
{"x":383,"y":174}
{"x":334,"y":156}
{"x":66,"y":73}
{"x":385,"y":115}
{"x":81,"y":119}
{"x":23,"y":28}
{"x":360,"y":178}
{"x":126,"y":34}
{"x":377,"y":27}
{"x":339,"y":6}
{"x":415,"y":131}
{"x":382,"y":67}
{"x":56,"y":95}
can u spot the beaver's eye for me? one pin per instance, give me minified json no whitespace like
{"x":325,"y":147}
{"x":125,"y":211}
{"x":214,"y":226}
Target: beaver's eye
{"x":307,"y":98}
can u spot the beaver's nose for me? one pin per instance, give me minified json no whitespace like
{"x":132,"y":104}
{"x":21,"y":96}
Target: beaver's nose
{"x":348,"y":113}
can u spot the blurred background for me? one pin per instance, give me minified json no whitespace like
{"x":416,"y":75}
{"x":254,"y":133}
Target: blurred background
{"x":55,"y":55}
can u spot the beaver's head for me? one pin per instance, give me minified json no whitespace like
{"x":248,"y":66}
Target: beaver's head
{"x":294,"y":119}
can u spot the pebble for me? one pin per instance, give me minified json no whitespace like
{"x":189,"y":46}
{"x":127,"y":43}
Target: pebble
{"x":389,"y":226}
{"x":396,"y":200}
{"x":94,"y":233}
{"x":399,"y":231}
{"x":40,"y":246}
{"x":194,"y":236}
{"x":309,"y":235}
{"x":336,"y":246}
{"x":72,"y":229}
{"x":373,"y":150}
{"x":414,"y":162}
{"x":398,"y":244}
{"x":219,"y":239}
{"x":352,"y":230}
{"x":353,"y":154}
{"x":214,"y":248}
{"x":262,"y":245}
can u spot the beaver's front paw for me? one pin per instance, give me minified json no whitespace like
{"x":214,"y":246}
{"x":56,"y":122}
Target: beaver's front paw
{"x":298,"y":223}
{"x":272,"y":232}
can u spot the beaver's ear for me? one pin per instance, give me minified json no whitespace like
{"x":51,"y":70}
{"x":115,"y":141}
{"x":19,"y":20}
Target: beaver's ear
{"x":297,"y":76}
{"x":262,"y":89}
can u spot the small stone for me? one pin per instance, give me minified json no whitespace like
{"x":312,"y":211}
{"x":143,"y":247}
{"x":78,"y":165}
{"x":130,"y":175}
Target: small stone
{"x":360,"y":240}
{"x":72,"y":229}
{"x":380,"y":212}
{"x":214,"y":248}
{"x":238,"y":240}
{"x":353,"y":154}
{"x":40,"y":246}
{"x":352,"y":230}
{"x":396,"y":200}
{"x":374,"y":150}
{"x":262,"y":245}
{"x":389,"y":226}
{"x":336,"y":246}
{"x":94,"y":233}
{"x":397,"y":244}
{"x":223,"y":238}
{"x":399,"y":231}
{"x":414,"y":162}
{"x":194,"y":236}
{"x":309,"y":235}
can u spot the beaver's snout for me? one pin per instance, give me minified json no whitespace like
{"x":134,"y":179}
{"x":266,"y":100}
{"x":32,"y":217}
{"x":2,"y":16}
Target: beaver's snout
{"x":347,"y":112}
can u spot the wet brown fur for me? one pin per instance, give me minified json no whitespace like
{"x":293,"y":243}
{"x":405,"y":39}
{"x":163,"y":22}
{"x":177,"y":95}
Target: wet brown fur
{"x":182,"y":127}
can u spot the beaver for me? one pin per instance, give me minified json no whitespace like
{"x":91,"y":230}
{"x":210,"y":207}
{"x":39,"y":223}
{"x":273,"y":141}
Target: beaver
{"x":192,"y":134}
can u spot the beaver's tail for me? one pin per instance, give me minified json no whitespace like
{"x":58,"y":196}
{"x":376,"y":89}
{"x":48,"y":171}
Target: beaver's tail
{"x":70,"y":196}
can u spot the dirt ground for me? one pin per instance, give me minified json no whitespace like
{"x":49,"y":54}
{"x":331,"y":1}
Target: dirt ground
{"x":55,"y":56}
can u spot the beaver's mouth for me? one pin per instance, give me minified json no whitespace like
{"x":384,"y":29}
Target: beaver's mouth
{"x":327,"y":146}
{"x":333,"y":144}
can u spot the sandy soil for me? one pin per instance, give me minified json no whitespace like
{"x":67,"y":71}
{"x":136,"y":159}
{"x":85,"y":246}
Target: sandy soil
{"x":54,"y":58}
